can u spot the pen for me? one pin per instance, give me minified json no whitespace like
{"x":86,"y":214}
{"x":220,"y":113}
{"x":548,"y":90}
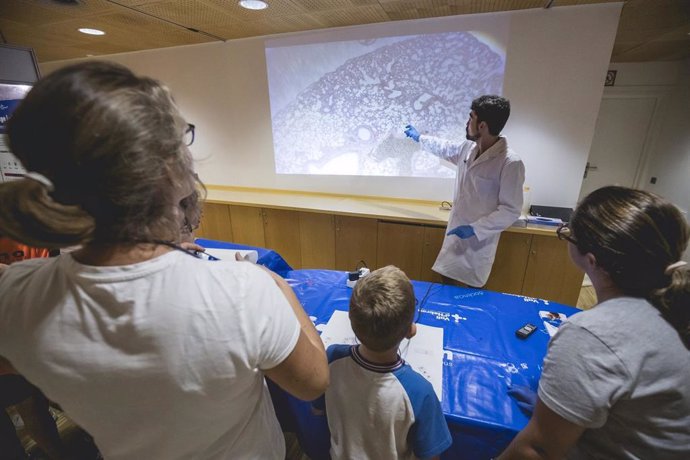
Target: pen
{"x":203,"y":255}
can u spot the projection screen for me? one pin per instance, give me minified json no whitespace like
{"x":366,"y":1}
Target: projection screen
{"x":340,"y":107}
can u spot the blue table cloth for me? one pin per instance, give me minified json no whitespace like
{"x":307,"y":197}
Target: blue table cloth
{"x":267,"y":257}
{"x":482,"y":355}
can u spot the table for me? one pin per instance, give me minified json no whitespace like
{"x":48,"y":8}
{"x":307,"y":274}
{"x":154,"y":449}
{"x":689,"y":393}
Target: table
{"x":482,"y":357}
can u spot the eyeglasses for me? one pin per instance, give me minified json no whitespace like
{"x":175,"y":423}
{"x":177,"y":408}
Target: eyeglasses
{"x":188,"y":227}
{"x":189,"y":134}
{"x":564,"y":233}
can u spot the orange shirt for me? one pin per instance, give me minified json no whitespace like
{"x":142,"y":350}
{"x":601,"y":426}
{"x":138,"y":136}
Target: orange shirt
{"x":10,"y":252}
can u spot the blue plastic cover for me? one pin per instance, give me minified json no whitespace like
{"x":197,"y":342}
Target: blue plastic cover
{"x":483,"y":357}
{"x":268,"y":258}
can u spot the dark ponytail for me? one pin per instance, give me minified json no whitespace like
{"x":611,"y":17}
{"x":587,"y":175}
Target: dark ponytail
{"x":674,"y":302}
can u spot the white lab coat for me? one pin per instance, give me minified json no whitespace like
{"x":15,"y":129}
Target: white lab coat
{"x":488,"y":196}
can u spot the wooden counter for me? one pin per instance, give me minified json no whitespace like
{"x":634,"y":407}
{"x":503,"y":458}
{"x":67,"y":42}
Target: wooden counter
{"x":329,"y":231}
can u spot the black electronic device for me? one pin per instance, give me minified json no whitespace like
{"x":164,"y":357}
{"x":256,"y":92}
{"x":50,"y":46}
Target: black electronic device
{"x":525,"y":330}
{"x":551,"y":212}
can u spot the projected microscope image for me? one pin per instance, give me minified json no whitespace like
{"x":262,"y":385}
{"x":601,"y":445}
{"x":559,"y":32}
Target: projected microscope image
{"x":341,"y":108}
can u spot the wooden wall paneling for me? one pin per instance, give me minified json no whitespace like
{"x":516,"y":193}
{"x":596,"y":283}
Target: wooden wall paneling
{"x":433,"y":240}
{"x":401,"y":245}
{"x":200,"y":232}
{"x":317,"y":240}
{"x":355,"y":240}
{"x":550,"y":273}
{"x":533,"y":265}
{"x":281,"y":231}
{"x":248,"y":225}
{"x":216,"y":223}
{"x":508,"y":271}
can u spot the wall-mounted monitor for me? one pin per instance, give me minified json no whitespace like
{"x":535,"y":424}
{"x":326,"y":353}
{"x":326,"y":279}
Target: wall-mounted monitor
{"x":18,"y":65}
{"x":10,"y":96}
{"x":18,"y":72}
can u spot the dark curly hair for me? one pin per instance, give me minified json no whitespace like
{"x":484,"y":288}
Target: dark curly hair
{"x":112,"y":144}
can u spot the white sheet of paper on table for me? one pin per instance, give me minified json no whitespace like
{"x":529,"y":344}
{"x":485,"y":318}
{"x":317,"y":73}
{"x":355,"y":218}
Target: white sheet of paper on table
{"x":338,"y":330}
{"x":552,"y":321}
{"x":229,"y":254}
{"x":424,"y":352}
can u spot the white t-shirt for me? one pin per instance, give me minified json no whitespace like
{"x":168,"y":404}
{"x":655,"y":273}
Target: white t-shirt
{"x":621,"y":371}
{"x":156,"y":360}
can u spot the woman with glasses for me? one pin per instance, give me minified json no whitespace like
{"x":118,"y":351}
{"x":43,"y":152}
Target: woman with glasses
{"x":156,"y":353}
{"x":615,"y":381}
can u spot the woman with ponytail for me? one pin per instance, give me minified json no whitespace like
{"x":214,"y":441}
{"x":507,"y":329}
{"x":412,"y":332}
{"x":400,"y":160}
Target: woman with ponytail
{"x":158,"y":354}
{"x":616,"y":379}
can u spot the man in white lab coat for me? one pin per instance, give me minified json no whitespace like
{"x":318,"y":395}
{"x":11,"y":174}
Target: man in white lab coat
{"x":488,"y":192}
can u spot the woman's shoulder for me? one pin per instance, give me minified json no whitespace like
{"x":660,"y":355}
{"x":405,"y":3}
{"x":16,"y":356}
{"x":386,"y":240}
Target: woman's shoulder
{"x":25,"y":267}
{"x":622,"y":315}
{"x":242,"y":268}
{"x":234,"y":274}
{"x":629,"y":327}
{"x":20,"y":280}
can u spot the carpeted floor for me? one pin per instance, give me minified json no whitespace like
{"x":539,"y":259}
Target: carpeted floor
{"x":81,"y":445}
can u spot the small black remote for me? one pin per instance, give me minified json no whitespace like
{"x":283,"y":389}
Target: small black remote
{"x":525,"y":330}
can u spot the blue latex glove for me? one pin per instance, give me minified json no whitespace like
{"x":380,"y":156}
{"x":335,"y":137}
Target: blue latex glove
{"x":525,"y":398}
{"x":463,"y":231}
{"x":411,"y":132}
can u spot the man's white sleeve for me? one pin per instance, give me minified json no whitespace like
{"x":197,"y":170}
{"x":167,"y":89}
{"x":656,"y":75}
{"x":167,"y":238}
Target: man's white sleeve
{"x":442,"y":148}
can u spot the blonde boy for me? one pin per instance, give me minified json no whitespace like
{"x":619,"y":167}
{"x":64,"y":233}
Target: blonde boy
{"x":378,"y":407}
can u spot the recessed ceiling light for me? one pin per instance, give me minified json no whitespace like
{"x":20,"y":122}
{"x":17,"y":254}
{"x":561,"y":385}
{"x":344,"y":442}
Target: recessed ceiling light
{"x":86,"y":30}
{"x":253,"y":4}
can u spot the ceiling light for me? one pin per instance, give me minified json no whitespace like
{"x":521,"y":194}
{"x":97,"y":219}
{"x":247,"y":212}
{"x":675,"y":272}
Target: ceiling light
{"x":253,"y":4}
{"x":88,"y":31}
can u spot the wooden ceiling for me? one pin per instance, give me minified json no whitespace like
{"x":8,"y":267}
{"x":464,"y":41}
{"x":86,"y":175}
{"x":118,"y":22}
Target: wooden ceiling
{"x":649,"y":30}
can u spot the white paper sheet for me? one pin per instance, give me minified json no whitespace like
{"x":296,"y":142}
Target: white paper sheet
{"x":424,"y":352}
{"x":552,"y":321}
{"x":338,"y":330}
{"x":229,"y":254}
